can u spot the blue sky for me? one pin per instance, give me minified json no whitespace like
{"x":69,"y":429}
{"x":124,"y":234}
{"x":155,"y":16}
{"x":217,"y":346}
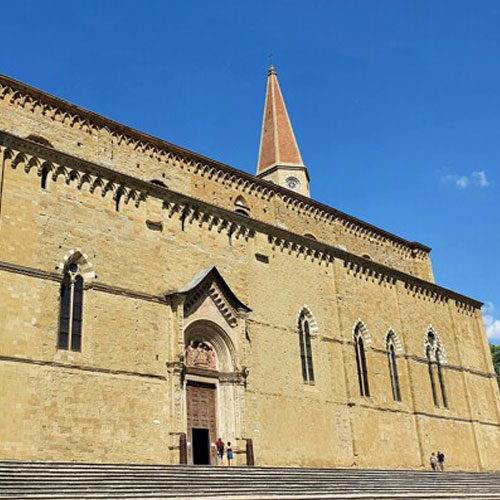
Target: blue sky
{"x":395,"y":104}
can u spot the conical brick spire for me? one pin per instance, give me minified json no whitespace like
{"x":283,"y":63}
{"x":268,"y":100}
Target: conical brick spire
{"x":278,"y":147}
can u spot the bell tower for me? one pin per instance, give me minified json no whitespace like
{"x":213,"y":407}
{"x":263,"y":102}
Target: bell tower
{"x":279,"y":156}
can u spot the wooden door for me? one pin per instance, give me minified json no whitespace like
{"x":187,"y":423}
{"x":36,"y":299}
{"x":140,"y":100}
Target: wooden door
{"x":201,"y":414}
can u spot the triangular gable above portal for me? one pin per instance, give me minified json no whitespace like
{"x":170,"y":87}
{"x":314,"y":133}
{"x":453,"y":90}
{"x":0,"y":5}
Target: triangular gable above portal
{"x":211,"y":283}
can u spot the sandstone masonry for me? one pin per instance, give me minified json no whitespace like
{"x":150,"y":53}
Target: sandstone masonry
{"x":177,"y":250}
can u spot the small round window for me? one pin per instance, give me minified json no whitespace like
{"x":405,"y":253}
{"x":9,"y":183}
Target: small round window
{"x":73,"y":267}
{"x":292,"y":182}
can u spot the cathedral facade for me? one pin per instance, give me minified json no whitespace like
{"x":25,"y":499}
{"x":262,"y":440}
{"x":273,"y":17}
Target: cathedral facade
{"x":148,"y":292}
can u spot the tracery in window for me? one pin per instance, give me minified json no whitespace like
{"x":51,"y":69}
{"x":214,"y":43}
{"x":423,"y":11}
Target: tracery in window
{"x":71,"y":309}
{"x":393,"y":366}
{"x":359,"y":348}
{"x":441,"y":378}
{"x":306,"y":358}
{"x":428,"y":354}
{"x":434,"y":355}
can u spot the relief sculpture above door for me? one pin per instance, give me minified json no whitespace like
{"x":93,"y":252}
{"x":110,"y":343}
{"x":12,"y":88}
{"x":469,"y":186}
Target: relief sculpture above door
{"x":201,"y":355}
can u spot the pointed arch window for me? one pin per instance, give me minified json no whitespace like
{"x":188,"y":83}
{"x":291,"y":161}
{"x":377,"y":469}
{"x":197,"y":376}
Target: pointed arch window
{"x":359,"y":348}
{"x":393,"y":367}
{"x":428,"y":355}
{"x":305,"y":349}
{"x":441,"y":378}
{"x":71,"y":309}
{"x":434,"y":355}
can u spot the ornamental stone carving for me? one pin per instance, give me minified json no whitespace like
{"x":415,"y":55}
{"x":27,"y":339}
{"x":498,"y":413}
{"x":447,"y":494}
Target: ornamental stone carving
{"x":201,"y":355}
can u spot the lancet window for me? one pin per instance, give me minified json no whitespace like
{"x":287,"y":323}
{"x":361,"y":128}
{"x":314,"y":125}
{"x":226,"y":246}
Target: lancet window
{"x":71,"y":309}
{"x":393,"y":367}
{"x":441,"y":378}
{"x":434,"y":355}
{"x":428,"y":354}
{"x":359,"y":348}
{"x":305,"y":349}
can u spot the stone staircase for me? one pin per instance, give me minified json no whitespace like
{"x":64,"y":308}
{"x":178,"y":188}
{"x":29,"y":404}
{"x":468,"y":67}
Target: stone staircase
{"x":76,"y":481}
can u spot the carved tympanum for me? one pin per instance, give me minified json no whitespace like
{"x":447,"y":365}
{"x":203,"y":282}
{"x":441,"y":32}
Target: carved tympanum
{"x":201,"y":355}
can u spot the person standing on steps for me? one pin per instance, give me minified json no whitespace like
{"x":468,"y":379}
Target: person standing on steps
{"x":229,"y":452}
{"x":433,"y":461}
{"x":220,"y":446}
{"x":440,"y":460}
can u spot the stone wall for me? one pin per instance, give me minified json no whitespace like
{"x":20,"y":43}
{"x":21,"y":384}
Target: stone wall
{"x":118,"y":400}
{"x":27,"y":112}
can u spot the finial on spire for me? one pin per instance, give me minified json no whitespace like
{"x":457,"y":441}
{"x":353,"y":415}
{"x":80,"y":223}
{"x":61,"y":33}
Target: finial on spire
{"x":272,"y":70}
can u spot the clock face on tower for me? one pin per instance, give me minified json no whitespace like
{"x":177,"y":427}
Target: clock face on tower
{"x":292,"y":183}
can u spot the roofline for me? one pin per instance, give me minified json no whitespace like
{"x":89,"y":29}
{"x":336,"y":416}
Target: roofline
{"x":126,"y":130}
{"x":256,"y":224}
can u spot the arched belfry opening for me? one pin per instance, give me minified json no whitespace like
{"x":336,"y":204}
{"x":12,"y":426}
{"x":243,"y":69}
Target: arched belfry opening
{"x":212,"y":374}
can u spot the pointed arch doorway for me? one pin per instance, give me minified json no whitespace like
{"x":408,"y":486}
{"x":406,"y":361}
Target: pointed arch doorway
{"x":212,"y":376}
{"x":210,"y":384}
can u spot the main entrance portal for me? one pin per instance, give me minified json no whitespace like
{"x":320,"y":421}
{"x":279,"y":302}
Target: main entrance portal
{"x":202,"y":428}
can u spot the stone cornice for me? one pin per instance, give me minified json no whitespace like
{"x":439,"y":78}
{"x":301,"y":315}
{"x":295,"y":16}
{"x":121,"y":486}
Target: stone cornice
{"x":84,"y":368}
{"x":97,"y":286}
{"x":160,"y":299}
{"x":27,"y":96}
{"x":76,"y":170}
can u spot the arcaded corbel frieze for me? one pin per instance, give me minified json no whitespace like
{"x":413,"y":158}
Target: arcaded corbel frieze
{"x":362,"y":267}
{"x":426,"y":293}
{"x":223,"y":224}
{"x":96,"y":183}
{"x":465,"y":308}
{"x":72,"y":116}
{"x":214,"y":221}
{"x":85,"y":179}
{"x":131,"y":194}
{"x":109,"y":187}
{"x":242,"y":231}
{"x":173,"y":208}
{"x":72,"y":172}
{"x":204,"y":218}
{"x":194,"y":214}
{"x":63,"y":164}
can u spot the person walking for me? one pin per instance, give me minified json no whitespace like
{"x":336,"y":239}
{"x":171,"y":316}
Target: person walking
{"x":220,"y":446}
{"x":433,"y":461}
{"x":229,"y":453}
{"x":440,"y":460}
